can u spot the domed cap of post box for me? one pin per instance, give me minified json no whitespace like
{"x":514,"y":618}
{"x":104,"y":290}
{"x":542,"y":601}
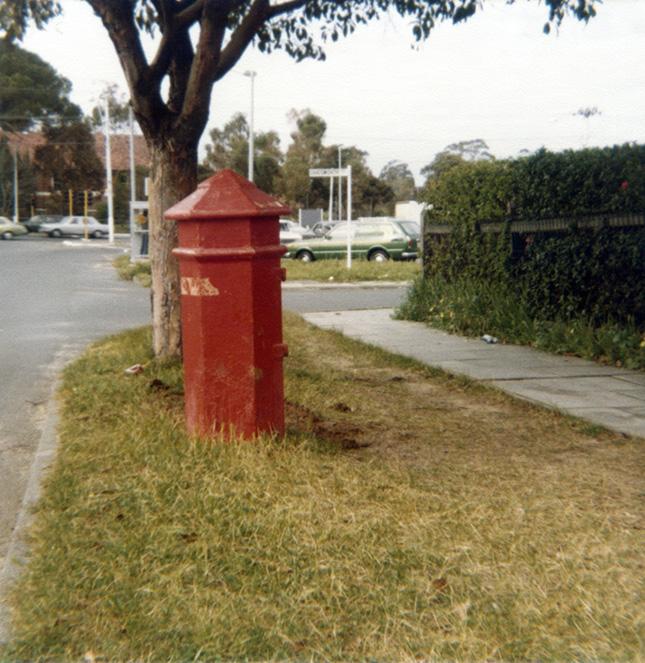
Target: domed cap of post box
{"x":226,"y":195}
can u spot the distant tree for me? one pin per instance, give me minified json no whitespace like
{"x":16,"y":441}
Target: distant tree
{"x":378,"y":198}
{"x":442,"y":163}
{"x":119,"y":107}
{"x":200,"y":42}
{"x":305,"y":152}
{"x":229,"y":148}
{"x":30,"y":90}
{"x":370,"y":195}
{"x":454,"y":155}
{"x":68,"y":157}
{"x":26,"y":182}
{"x":471,"y":150}
{"x":399,"y":178}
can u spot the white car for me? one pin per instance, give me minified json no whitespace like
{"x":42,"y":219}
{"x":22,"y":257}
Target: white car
{"x":292,"y":232}
{"x":75,"y":226}
{"x":9,"y":229}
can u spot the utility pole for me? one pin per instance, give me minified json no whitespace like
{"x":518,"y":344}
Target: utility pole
{"x":133,"y":179}
{"x":349,"y":217}
{"x":340,"y":184}
{"x":108,"y":173}
{"x":15,"y":186}
{"x":251,"y":75}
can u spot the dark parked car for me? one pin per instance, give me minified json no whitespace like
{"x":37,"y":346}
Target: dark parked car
{"x":34,"y":223}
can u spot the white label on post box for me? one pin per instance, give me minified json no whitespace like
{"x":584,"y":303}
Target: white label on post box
{"x":198,"y":286}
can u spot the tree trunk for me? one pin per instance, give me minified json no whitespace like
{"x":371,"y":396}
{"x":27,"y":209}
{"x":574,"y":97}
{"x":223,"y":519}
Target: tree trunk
{"x":173,"y":177}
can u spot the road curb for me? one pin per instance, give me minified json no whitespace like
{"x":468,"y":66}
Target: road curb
{"x":89,"y":244}
{"x":18,"y":550}
{"x":327,"y":285}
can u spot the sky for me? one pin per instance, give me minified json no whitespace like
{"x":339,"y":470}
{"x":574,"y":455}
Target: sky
{"x":497,"y":77}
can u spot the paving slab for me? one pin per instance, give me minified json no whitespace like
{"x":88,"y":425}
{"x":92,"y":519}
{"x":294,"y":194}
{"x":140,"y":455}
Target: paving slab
{"x":605,"y":395}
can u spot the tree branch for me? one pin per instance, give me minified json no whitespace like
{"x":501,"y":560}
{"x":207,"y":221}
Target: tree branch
{"x":119,"y":23}
{"x":161,"y":62}
{"x":189,"y":12}
{"x":180,"y":67}
{"x":204,"y":63}
{"x":118,"y":19}
{"x":285,"y":7}
{"x":242,"y":37}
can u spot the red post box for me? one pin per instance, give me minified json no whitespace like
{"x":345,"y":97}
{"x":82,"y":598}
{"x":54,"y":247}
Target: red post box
{"x":231,"y":312}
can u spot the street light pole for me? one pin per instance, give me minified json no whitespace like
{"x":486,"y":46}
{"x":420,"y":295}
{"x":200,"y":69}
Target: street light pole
{"x":15,"y":185}
{"x":340,"y":184}
{"x":251,"y":75}
{"x":108,"y":173}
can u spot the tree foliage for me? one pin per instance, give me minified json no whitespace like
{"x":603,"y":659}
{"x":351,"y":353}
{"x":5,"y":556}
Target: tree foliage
{"x":31,"y":90}
{"x":399,"y":178}
{"x":26,"y":181}
{"x":119,"y":108}
{"x":69,"y":157}
{"x":308,"y":150}
{"x":229,"y":148}
{"x":454,"y":155}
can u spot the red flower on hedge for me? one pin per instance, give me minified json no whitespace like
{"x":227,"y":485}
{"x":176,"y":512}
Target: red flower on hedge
{"x":624,"y":185}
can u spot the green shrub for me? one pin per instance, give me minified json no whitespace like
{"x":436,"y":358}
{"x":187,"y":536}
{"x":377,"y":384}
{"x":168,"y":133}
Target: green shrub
{"x":543,"y":185}
{"x":473,"y":308}
{"x":591,"y":275}
{"x":596,"y":274}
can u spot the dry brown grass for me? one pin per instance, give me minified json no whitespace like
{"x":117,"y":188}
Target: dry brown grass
{"x":408,"y":515}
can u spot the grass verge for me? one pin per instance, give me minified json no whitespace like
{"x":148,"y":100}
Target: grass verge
{"x":474,"y":309}
{"x":128,"y":270}
{"x":320,"y":270}
{"x":406,"y":515}
{"x":362,"y":270}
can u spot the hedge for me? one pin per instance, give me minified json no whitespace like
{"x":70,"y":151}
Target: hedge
{"x":543,"y":185}
{"x":598,"y":274}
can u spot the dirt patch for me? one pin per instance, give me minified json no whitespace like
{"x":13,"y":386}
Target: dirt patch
{"x":343,"y":434}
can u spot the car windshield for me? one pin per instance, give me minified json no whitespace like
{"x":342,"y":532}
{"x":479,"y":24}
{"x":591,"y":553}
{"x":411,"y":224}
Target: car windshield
{"x":410,"y":228}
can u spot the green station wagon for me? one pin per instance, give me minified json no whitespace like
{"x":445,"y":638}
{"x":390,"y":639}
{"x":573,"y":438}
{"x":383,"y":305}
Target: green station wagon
{"x":372,"y":239}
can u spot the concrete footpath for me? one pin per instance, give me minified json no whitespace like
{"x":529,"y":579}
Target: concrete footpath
{"x":605,"y":395}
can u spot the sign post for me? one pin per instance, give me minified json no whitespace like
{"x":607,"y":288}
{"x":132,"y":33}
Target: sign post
{"x":340,"y":173}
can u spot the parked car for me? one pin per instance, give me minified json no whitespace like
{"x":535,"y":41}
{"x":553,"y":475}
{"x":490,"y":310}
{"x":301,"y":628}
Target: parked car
{"x":75,"y":226}
{"x":34,"y":223}
{"x":9,"y":229}
{"x":290,"y":231}
{"x":377,"y":240}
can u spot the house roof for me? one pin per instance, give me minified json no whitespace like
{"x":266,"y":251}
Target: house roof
{"x":27,"y":142}
{"x":120,"y":150}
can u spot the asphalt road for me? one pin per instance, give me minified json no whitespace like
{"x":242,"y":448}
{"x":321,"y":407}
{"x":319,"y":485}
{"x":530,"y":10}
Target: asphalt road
{"x":55,"y":300}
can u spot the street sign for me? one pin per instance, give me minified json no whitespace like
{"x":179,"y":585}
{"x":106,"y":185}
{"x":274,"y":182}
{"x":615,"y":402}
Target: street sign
{"x":329,"y":172}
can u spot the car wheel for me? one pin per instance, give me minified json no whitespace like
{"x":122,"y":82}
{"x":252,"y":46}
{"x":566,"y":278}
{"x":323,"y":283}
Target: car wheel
{"x":305,"y":256}
{"x":55,"y":233}
{"x":97,"y":234}
{"x":379,"y":256}
{"x":7,"y":235}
